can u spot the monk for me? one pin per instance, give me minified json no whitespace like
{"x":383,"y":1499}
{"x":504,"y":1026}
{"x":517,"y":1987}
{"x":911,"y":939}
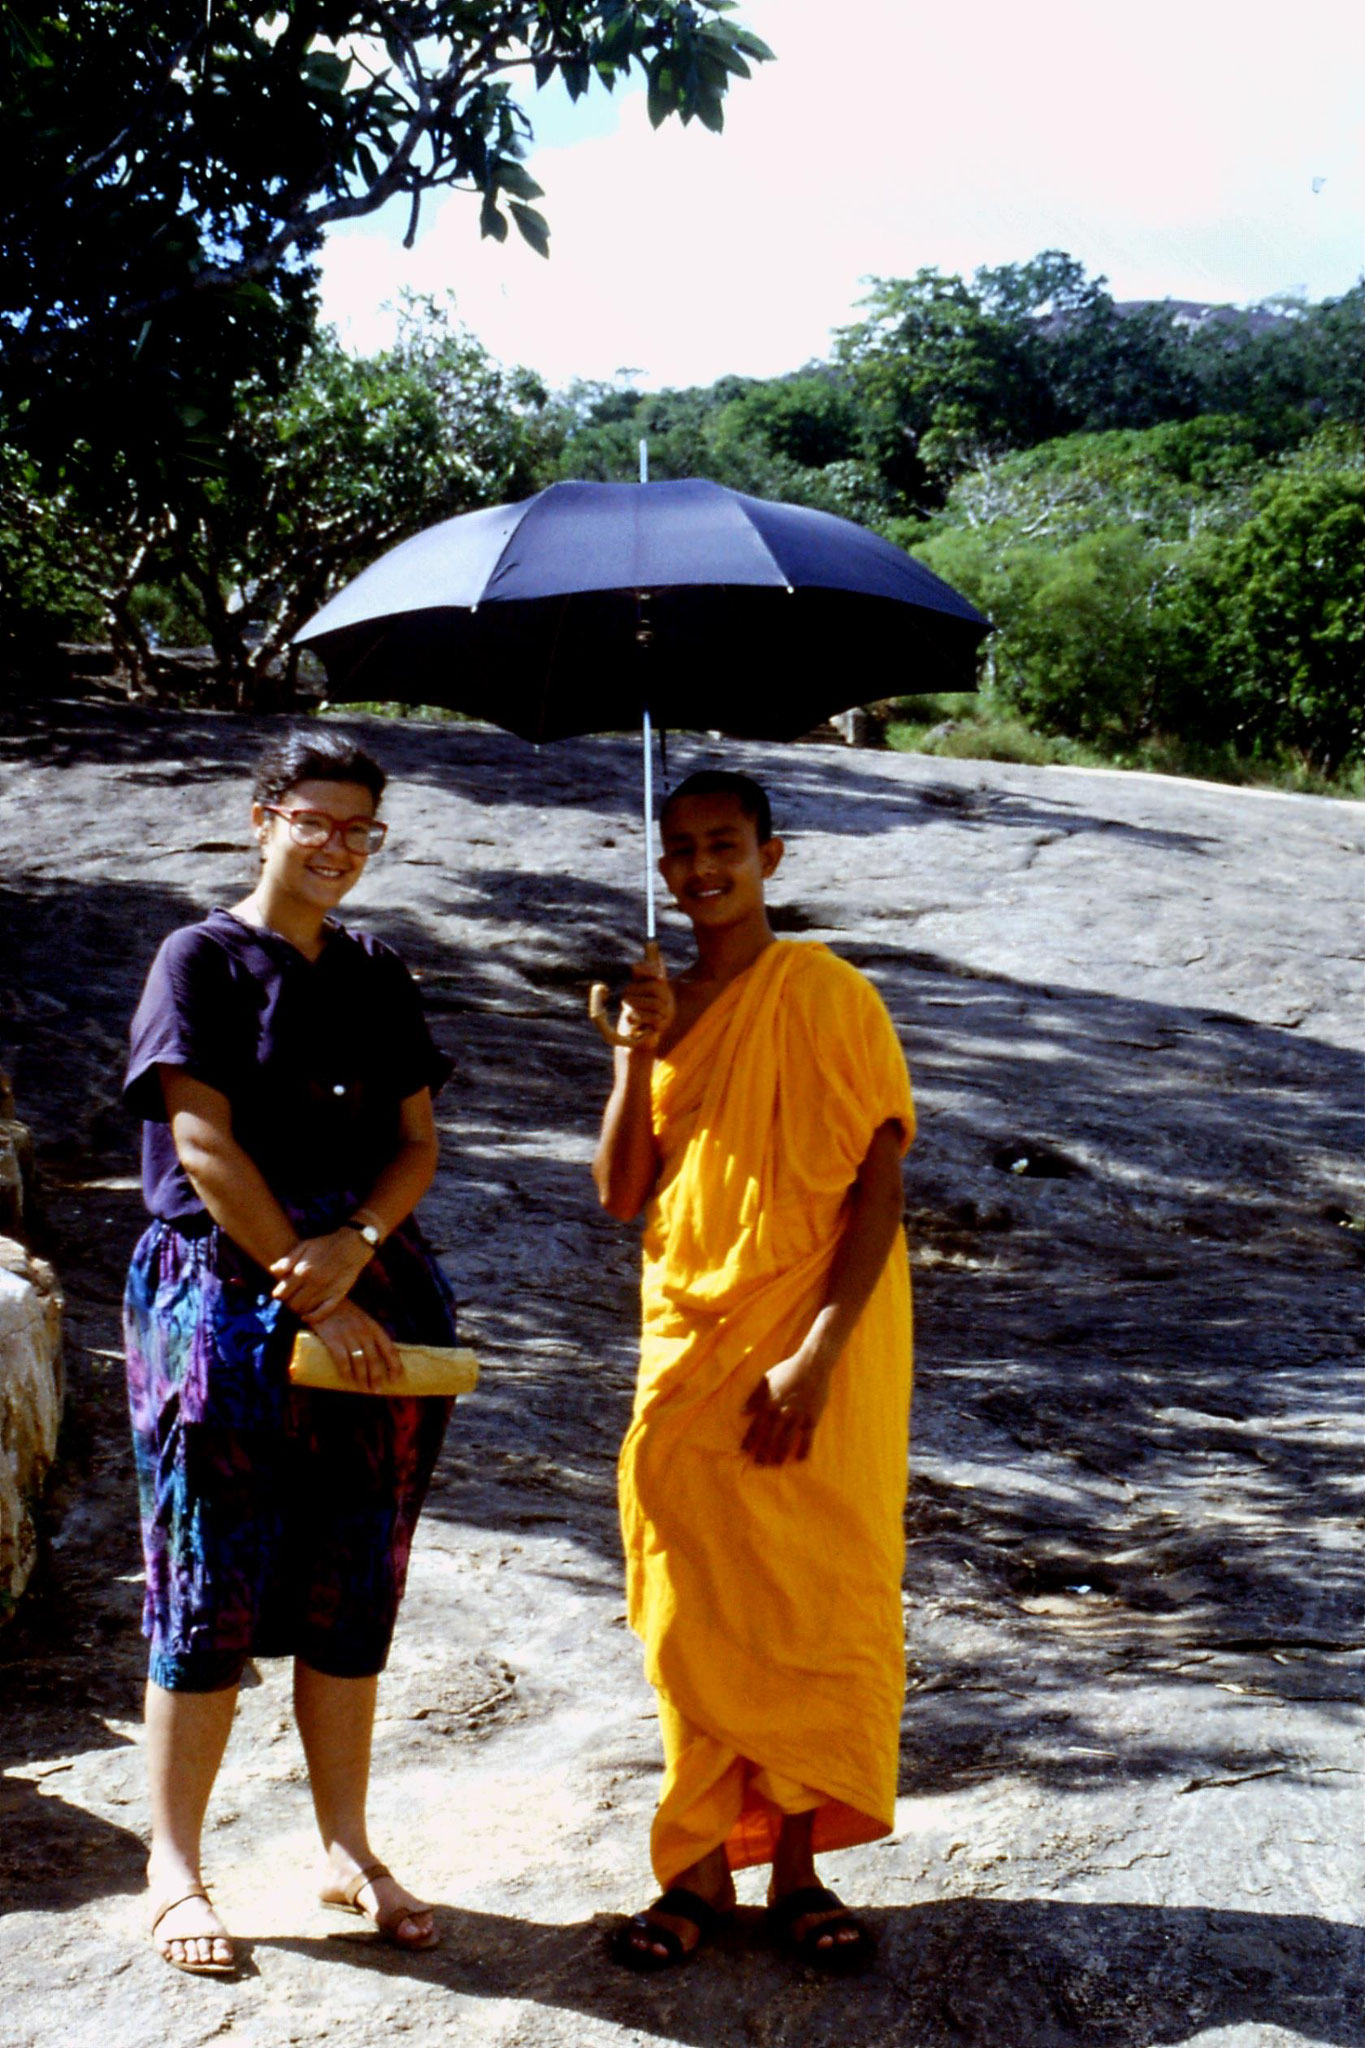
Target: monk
{"x":759,"y":1117}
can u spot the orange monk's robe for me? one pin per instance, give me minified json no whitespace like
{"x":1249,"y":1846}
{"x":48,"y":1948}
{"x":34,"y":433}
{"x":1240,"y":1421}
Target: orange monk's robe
{"x":769,"y":1598}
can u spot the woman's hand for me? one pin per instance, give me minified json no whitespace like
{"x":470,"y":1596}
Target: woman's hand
{"x":785,"y":1408}
{"x":318,"y":1274}
{"x":363,"y":1351}
{"x":648,"y":1007}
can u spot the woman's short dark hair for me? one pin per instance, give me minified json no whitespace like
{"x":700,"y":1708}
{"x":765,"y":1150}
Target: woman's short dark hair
{"x":751,"y":796}
{"x":303,"y":755}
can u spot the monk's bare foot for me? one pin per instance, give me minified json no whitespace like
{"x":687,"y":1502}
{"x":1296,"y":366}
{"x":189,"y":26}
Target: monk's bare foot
{"x":671,"y":1930}
{"x":816,"y":1925}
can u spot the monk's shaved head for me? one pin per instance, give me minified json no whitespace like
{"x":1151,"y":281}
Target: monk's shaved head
{"x":751,"y":797}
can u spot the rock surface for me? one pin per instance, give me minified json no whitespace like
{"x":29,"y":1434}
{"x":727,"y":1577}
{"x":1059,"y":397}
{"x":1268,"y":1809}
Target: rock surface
{"x":30,"y":1409}
{"x":1131,"y":1768}
{"x":18,"y":1181}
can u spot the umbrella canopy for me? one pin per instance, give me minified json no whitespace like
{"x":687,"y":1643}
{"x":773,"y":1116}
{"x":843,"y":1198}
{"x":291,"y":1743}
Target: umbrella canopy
{"x":587,"y":605}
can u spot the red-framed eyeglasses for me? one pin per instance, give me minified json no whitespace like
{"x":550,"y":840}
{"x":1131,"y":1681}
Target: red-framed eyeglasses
{"x":314,"y":829}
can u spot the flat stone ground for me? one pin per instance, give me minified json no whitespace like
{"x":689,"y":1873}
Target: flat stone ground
{"x":1131,"y":1807}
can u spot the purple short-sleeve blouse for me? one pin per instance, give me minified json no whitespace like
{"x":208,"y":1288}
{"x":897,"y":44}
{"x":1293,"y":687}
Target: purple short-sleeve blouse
{"x":315,"y":1057}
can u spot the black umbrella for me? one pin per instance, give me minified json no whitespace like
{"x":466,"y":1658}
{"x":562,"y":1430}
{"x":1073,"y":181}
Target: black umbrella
{"x":598,"y":607}
{"x":581,"y":608}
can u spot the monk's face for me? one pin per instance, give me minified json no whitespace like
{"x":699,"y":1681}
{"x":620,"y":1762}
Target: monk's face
{"x":713,"y":862}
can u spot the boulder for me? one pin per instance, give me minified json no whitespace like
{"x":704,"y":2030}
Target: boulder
{"x":858,"y":727}
{"x":18,"y":1175}
{"x":30,"y":1407}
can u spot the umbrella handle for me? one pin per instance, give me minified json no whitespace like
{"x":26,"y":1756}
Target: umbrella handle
{"x":597,"y":1003}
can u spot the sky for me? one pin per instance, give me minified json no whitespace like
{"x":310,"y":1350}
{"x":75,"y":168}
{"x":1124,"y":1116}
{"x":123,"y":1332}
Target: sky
{"x":1196,"y":149}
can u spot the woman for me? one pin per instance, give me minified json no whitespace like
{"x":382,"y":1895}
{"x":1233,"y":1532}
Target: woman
{"x":285,"y":1075}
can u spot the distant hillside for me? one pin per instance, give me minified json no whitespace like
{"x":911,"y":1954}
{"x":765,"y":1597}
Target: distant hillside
{"x":1193,"y":314}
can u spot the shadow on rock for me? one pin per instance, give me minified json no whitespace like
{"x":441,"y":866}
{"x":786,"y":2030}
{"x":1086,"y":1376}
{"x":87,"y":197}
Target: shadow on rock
{"x":69,"y":1856}
{"x":998,"y":1973}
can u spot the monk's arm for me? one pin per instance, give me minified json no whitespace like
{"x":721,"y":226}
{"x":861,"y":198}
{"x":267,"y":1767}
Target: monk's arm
{"x":626,"y":1163}
{"x":874,"y":1214}
{"x":789,"y":1400}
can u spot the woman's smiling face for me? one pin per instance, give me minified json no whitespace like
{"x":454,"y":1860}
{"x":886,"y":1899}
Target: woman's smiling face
{"x":317,"y":875}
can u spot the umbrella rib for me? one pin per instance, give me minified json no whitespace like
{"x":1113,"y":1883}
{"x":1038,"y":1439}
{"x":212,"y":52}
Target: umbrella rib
{"x":758,"y":534}
{"x":502,"y":551}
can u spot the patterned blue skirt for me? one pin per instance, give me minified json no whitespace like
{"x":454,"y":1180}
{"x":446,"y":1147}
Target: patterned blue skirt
{"x":276,"y":1520}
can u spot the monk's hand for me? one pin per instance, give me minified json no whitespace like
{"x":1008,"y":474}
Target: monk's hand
{"x":648,"y":1007}
{"x":784,"y":1409}
{"x":363,"y":1351}
{"x":318,"y":1274}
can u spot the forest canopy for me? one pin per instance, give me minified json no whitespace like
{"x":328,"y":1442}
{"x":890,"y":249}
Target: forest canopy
{"x":1160,"y":506}
{"x":167,"y":175}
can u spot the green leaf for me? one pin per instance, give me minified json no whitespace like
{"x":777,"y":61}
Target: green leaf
{"x":662,"y":98}
{"x":26,"y":42}
{"x":324,"y":68}
{"x":492,"y":222}
{"x":711,"y":71}
{"x":752,"y":45}
{"x":513,"y":177}
{"x":534,"y":227}
{"x":618,"y":41}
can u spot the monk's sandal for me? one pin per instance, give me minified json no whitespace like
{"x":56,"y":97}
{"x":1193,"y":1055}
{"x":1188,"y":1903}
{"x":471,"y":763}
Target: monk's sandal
{"x":630,"y":1943}
{"x":832,"y":1957}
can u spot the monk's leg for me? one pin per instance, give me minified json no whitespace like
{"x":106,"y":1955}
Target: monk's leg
{"x":711,"y":1880}
{"x":794,"y":1871}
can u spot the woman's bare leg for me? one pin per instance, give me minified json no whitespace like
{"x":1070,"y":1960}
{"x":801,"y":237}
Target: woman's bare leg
{"x":187,"y":1733}
{"x":336,"y":1722}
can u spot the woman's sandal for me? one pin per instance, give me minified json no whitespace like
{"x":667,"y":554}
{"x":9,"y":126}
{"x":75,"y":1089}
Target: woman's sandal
{"x":628,"y":1943}
{"x":833,"y":1958}
{"x":347,"y":1900}
{"x":220,"y":1968}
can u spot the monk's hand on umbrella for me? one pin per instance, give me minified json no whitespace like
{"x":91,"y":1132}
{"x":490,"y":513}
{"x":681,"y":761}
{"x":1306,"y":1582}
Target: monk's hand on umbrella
{"x":363,"y":1351}
{"x":318,"y":1274}
{"x":648,"y":1007}
{"x":784,"y":1409}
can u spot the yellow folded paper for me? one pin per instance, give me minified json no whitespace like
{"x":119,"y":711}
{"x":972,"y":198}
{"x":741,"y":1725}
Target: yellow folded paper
{"x":427,"y":1369}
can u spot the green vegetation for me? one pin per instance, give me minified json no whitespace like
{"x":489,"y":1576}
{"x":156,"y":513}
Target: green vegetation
{"x":1164,"y":516}
{"x":1165,"y":522}
{"x":166,"y":176}
{"x":962,"y":728}
{"x":1166,"y":585}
